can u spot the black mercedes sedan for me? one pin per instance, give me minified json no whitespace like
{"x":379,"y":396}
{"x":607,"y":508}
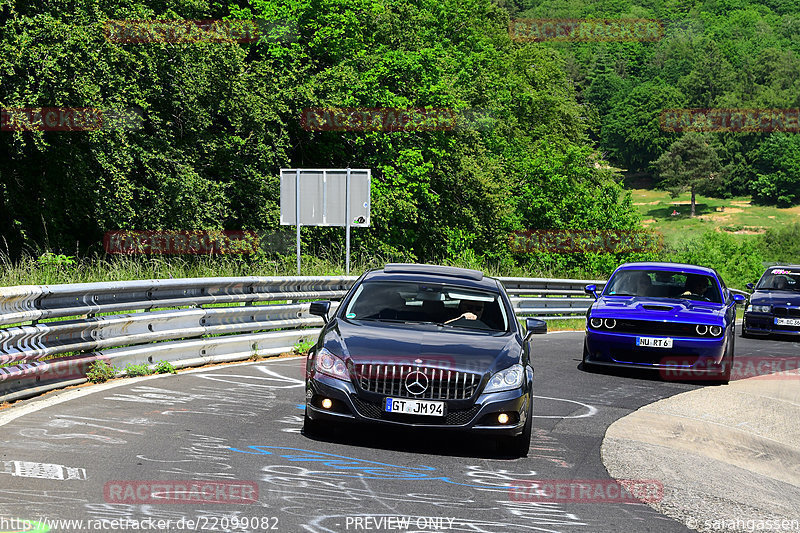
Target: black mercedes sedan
{"x":424,"y":346}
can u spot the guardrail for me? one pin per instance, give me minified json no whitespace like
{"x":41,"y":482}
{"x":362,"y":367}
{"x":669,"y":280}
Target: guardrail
{"x":190,"y":335}
{"x":54,"y":333}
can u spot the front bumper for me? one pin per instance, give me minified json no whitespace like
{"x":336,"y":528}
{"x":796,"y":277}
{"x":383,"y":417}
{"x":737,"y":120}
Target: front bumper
{"x":619,"y":349}
{"x":764,"y":324}
{"x":478,"y":416}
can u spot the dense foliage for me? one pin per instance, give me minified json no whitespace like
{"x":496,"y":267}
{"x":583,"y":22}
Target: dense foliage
{"x":220,"y":120}
{"x":714,"y":54}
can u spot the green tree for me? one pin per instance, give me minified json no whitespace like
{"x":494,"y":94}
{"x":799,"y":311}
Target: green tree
{"x":690,"y":164}
{"x":777,"y":170}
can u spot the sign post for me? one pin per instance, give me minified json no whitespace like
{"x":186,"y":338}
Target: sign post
{"x":297,"y":215}
{"x":330,"y":197}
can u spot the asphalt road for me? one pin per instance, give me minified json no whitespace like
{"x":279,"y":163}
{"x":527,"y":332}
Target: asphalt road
{"x":93,"y":457}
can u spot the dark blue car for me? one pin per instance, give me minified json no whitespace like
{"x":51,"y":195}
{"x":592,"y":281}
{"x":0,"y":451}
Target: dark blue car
{"x":676,"y":318}
{"x":774,"y":306}
{"x":428,"y":346}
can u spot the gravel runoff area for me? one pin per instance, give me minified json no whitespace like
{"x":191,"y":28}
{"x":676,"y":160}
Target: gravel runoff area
{"x":728,"y":456}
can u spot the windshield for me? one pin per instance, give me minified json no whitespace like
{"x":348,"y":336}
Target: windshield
{"x":447,"y":305}
{"x":780,"y":279}
{"x":663,"y":284}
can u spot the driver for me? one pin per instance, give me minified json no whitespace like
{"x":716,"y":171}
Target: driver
{"x":469,"y":309}
{"x":695,"y":286}
{"x":643,"y":284}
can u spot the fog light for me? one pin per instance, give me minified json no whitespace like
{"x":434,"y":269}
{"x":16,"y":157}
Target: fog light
{"x":327,"y":403}
{"x":502,"y":418}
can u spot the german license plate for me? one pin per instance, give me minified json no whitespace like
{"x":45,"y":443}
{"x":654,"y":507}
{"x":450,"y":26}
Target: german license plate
{"x":654,"y":342}
{"x":414,"y":407}
{"x":787,"y":321}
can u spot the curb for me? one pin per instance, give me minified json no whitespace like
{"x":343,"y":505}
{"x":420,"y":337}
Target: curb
{"x":728,"y":456}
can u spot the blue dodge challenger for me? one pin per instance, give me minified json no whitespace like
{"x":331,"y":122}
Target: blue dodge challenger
{"x":774,"y":306}
{"x":679,"y":319}
{"x":424,"y":346}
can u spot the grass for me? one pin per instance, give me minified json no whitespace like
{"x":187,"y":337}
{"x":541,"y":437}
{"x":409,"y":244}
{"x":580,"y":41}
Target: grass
{"x":29,"y":270}
{"x":737,"y":216}
{"x":569,"y":324}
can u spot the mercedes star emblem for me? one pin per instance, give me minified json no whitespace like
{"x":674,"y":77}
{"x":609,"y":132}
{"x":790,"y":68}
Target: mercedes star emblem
{"x":416,"y":383}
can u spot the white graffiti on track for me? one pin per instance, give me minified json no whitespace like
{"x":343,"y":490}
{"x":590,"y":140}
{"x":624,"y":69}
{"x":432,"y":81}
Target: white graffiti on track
{"x":206,"y":457}
{"x":502,"y":478}
{"x":590,"y":410}
{"x":292,"y":420}
{"x":67,"y":421}
{"x":31,"y":497}
{"x":45,"y":435}
{"x":204,"y":400}
{"x":273,"y":380}
{"x":298,"y":485}
{"x":42,"y":470}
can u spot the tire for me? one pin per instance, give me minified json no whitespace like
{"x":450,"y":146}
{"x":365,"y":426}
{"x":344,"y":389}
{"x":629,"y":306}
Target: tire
{"x":727,"y":362}
{"x":586,"y":366}
{"x":520,"y":445}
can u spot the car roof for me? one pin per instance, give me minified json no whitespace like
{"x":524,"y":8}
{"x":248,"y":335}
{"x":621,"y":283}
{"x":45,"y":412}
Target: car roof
{"x":781,"y":266}
{"x":665,"y":265}
{"x":432,"y":274}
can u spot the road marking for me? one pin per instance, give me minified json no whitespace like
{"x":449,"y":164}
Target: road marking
{"x":15,"y":412}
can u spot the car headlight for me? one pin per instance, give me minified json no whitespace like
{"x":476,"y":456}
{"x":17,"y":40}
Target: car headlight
{"x":759,"y":308}
{"x":596,"y":322}
{"x":508,"y":379}
{"x":329,"y":364}
{"x":713,"y":331}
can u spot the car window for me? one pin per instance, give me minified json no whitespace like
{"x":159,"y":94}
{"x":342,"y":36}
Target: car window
{"x":663,"y":284}
{"x":780,"y":279}
{"x":444,"y":304}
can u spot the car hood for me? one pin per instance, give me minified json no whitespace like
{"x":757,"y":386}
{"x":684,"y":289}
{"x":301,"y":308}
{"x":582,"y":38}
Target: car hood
{"x":640,"y":308}
{"x":779,"y":298}
{"x":449,"y":348}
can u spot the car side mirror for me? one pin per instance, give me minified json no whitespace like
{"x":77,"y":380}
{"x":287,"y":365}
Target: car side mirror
{"x":738,"y":298}
{"x":320,"y":308}
{"x":535,"y":325}
{"x":591,"y":290}
{"x":750,"y":286}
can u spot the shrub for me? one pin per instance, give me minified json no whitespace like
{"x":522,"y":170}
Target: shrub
{"x":164,"y":367}
{"x":782,"y":244}
{"x":303,"y":346}
{"x":100,"y":371}
{"x":138,"y":370}
{"x":737,"y":260}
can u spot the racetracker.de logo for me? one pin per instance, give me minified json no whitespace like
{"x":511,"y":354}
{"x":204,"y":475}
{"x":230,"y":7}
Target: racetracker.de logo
{"x":748,"y":367}
{"x":180,"y":492}
{"x":69,"y":119}
{"x":541,"y":30}
{"x":587,"y":491}
{"x":742,"y":120}
{"x":568,"y":241}
{"x":166,"y":242}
